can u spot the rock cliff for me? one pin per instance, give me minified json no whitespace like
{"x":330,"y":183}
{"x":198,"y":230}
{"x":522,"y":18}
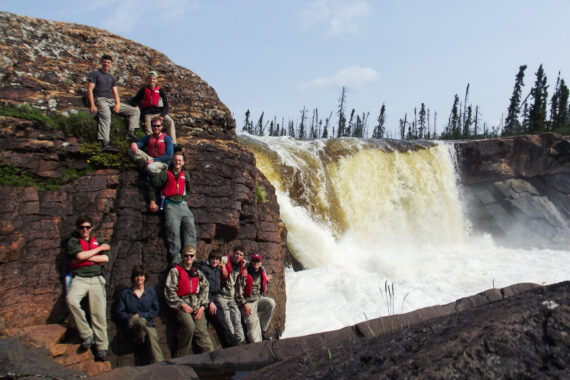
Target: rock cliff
{"x":45,"y":64}
{"x":518,"y":188}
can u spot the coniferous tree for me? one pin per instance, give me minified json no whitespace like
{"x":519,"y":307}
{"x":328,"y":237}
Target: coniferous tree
{"x":422,"y":121}
{"x":537,"y":111}
{"x":291,"y":129}
{"x":559,"y":105}
{"x":259,"y":128}
{"x":246,"y":124}
{"x":341,"y":117}
{"x":379,"y":130}
{"x":348,"y":130}
{"x":467,"y":123}
{"x":326,"y":129}
{"x":512,"y":124}
{"x":302,"y":125}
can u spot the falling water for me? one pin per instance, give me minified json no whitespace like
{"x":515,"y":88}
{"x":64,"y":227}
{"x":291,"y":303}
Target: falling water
{"x":362,"y":214}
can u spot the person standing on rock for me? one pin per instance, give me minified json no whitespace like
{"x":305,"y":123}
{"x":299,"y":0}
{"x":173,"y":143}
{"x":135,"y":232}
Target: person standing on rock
{"x":215,"y":312}
{"x":86,"y":255}
{"x":137,"y":308}
{"x":153,"y":102}
{"x":233,"y":268}
{"x":179,"y":221}
{"x":158,"y":146}
{"x":103,"y":96}
{"x":253,"y":302}
{"x":186,"y":293}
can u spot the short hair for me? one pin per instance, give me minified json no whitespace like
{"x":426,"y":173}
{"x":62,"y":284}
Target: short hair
{"x":137,"y":270}
{"x":106,"y":56}
{"x":179,"y":153}
{"x":215,"y":253}
{"x":188,"y":249}
{"x":83,"y":219}
{"x":239,"y":248}
{"x":156,"y":118}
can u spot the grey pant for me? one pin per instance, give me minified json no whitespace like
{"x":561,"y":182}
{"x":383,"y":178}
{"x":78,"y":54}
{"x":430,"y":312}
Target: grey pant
{"x":180,"y":229}
{"x":141,"y":332}
{"x":192,"y":328}
{"x":233,"y":317}
{"x":257,"y":323}
{"x":141,"y":158}
{"x":170,"y":127}
{"x":94,"y":289}
{"x":104,"y":106}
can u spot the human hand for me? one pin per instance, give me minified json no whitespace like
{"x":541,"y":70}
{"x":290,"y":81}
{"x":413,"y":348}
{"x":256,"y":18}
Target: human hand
{"x":212,"y":308}
{"x":247,"y":310}
{"x":134,"y":148}
{"x":104,"y":247}
{"x":153,"y":206}
{"x":93,"y":109}
{"x":269,"y":277}
{"x":185,"y":308}
{"x":150,"y":161}
{"x":199,"y":313}
{"x":117,"y":108}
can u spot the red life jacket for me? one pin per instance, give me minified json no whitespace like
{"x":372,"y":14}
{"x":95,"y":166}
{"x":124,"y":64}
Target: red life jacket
{"x":174,"y":187}
{"x":186,"y":285}
{"x":249,"y":283}
{"x":85,"y":246}
{"x":229,"y":269}
{"x":151,"y":97}
{"x":156,"y":145}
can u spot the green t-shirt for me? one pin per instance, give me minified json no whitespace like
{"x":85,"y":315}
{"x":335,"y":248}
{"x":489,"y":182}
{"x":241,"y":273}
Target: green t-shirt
{"x":73,"y":248}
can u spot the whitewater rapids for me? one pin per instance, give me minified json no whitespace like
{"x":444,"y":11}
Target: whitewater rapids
{"x":362,"y":214}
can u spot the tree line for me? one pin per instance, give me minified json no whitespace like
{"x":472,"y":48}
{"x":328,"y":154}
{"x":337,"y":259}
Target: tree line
{"x":528,"y":115}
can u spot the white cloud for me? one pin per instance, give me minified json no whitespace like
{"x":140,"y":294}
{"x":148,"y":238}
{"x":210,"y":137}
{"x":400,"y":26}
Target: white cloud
{"x":128,"y":13}
{"x":350,"y":77}
{"x":337,"y":17}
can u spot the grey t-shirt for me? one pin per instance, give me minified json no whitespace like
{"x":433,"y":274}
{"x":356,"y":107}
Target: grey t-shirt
{"x":104,"y":84}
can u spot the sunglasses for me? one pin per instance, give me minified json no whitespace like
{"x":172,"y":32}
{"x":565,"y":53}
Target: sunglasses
{"x":188,"y":255}
{"x":84,"y":227}
{"x":156,"y":125}
{"x":255,"y":260}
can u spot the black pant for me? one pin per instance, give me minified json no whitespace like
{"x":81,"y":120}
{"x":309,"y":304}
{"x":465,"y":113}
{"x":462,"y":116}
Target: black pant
{"x":225,"y":335}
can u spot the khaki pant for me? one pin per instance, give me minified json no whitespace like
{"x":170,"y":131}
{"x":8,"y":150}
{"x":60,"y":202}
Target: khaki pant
{"x":233,"y":318}
{"x":190,"y":328}
{"x":141,"y":158}
{"x":170,"y":127}
{"x":104,"y":106}
{"x":141,"y":332}
{"x":255,"y":325}
{"x":94,"y":289}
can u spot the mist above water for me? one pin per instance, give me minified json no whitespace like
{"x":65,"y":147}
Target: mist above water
{"x":363,"y":214}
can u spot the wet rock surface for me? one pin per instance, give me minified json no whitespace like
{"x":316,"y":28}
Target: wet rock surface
{"x":518,"y":188}
{"x":45,"y":64}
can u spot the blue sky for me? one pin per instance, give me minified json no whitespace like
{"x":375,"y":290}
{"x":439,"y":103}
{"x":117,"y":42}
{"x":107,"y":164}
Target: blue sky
{"x":281,"y":56}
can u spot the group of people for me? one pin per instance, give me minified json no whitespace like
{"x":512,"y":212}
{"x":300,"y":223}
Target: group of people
{"x":227,"y":291}
{"x":103,"y":96}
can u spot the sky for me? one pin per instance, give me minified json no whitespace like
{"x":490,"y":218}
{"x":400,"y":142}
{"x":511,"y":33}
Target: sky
{"x":278,"y":57}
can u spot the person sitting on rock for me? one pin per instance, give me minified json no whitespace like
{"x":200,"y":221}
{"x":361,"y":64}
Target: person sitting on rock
{"x":186,"y":293}
{"x":153,"y":102}
{"x":86,"y":255}
{"x":158,"y":146}
{"x":175,"y":184}
{"x":233,"y":268}
{"x":215,"y":313}
{"x":103,"y":97}
{"x":252,"y":300}
{"x":137,"y":308}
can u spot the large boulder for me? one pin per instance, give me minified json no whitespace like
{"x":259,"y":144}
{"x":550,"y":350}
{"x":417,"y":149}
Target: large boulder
{"x":45,"y":64}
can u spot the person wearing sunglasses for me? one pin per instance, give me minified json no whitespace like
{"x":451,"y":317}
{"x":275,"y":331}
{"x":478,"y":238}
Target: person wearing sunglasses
{"x":186,"y":293}
{"x":153,"y":103}
{"x":158,"y":146}
{"x":86,"y":255}
{"x":257,"y":309}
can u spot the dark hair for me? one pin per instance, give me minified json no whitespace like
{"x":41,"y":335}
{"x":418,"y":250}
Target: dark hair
{"x":239,"y":248}
{"x":139,"y":269}
{"x":215,"y":253}
{"x":106,"y":56}
{"x":179,"y":153}
{"x":83,"y":219}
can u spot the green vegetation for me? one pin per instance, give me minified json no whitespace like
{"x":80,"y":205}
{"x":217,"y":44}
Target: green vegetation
{"x":260,"y":193}
{"x":81,"y":124}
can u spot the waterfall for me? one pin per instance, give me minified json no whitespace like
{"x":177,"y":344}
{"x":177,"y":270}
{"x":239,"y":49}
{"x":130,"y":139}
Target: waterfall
{"x":364,"y":213}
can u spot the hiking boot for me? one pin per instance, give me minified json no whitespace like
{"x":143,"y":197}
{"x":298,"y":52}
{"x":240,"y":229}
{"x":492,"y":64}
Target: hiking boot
{"x":101,"y":355}
{"x":87,"y":343}
{"x":108,"y":148}
{"x":265,"y":336}
{"x":132,"y":136}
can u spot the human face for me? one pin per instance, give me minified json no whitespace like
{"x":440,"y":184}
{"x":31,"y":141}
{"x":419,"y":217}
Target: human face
{"x":238,"y":256}
{"x":214,"y":261}
{"x":84,"y":230}
{"x":156,"y":128}
{"x":106,"y":65}
{"x":139,"y":279}
{"x":256,"y":265}
{"x":177,"y":162}
{"x":152,"y":81}
{"x":188,"y":259}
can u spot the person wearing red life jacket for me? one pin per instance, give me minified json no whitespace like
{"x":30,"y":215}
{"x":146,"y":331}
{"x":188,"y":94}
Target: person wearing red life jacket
{"x":86,"y":254}
{"x":233,"y":268}
{"x":174,"y":184}
{"x":153,"y":102}
{"x":256,"y":308}
{"x":159,"y":149}
{"x":186,"y":293}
